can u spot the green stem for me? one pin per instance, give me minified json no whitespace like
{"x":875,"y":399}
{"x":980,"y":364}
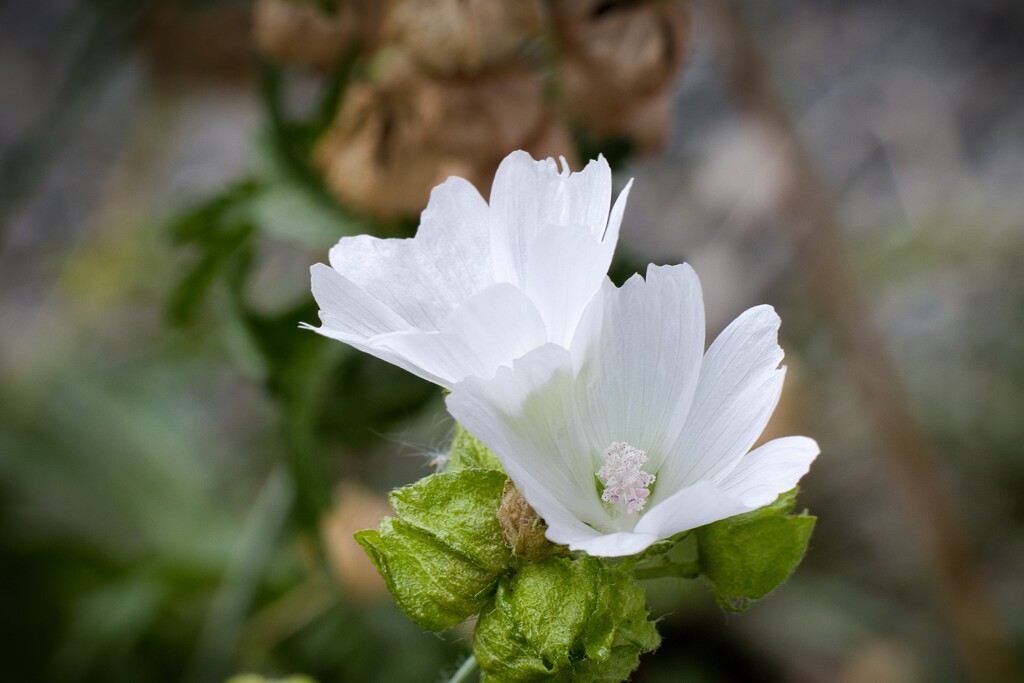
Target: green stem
{"x":466,"y":671}
{"x":683,"y":570}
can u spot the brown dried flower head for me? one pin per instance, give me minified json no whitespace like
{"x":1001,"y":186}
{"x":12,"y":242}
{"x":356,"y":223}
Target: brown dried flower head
{"x":482,"y":117}
{"x":630,"y":47}
{"x":621,"y":61}
{"x":303,"y":33}
{"x":379,"y":156}
{"x":372,"y":156}
{"x":461,"y":36}
{"x":394,"y":139}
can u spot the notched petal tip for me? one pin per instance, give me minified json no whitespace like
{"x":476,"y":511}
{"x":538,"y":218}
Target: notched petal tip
{"x":600,"y":164}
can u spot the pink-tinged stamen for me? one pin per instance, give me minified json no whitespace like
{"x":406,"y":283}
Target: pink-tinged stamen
{"x":624,"y":480}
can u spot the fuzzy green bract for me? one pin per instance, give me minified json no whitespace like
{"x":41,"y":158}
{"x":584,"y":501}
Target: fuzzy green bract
{"x":564,"y":619}
{"x":746,"y":557}
{"x":444,"y":552}
{"x":567,"y":617}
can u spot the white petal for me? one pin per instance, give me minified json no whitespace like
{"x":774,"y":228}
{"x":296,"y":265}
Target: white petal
{"x":526,"y":416}
{"x":618,"y":544}
{"x":689,"y":508}
{"x":346,"y":308}
{"x":365,"y":346}
{"x":739,"y":387}
{"x":530,"y":198}
{"x":611,"y":233}
{"x":564,"y":269}
{"x":501,"y":323}
{"x":761,"y":476}
{"x":640,"y":372}
{"x":515,"y":212}
{"x":422,"y":279}
{"x":770,"y":469}
{"x":581,"y":198}
{"x":565,"y":528}
{"x":456,"y":223}
{"x":489,"y":330}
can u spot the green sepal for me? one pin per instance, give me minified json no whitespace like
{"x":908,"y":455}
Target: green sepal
{"x":747,"y":556}
{"x":442,"y":556}
{"x":564,"y":619}
{"x":460,"y":510}
{"x":468,"y":451}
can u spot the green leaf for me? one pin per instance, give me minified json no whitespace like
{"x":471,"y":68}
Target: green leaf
{"x":436,"y":587}
{"x":747,"y":556}
{"x":220,"y":229}
{"x":460,"y":510}
{"x":189,"y":295}
{"x":468,"y":451}
{"x":564,"y":619}
{"x":210,"y":220}
{"x":442,"y":557}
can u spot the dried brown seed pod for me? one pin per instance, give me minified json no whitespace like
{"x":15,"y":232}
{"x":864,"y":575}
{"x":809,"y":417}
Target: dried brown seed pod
{"x":378,"y":158}
{"x":620,"y":62}
{"x":305,"y":34}
{"x":372,"y":156}
{"x":646,"y":121}
{"x":411,"y":130}
{"x":627,"y":47}
{"x":483,"y":117}
{"x":461,"y":36}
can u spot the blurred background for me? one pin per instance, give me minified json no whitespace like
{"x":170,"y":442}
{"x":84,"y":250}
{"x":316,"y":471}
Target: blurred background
{"x":181,"y":468}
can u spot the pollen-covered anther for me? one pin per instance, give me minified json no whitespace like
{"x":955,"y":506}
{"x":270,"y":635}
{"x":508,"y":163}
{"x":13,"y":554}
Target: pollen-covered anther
{"x":624,"y":480}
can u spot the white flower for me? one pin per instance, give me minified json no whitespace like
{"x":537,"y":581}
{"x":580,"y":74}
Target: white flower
{"x":634,"y":433}
{"x":480,"y":284}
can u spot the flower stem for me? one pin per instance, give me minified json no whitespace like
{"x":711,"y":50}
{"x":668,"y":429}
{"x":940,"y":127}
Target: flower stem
{"x":683,"y":570}
{"x":465,"y":672}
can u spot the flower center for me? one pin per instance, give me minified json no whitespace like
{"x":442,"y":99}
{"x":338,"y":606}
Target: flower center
{"x":624,"y":481}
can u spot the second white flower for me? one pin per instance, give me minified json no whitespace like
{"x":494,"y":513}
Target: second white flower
{"x":634,"y":433}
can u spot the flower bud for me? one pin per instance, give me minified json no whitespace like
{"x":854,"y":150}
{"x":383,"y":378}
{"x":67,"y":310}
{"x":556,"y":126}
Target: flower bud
{"x":305,"y":34}
{"x":461,"y":36}
{"x":521,"y":528}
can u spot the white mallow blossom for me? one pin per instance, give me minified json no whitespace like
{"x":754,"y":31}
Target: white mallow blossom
{"x":481,"y":283}
{"x":633,"y":433}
